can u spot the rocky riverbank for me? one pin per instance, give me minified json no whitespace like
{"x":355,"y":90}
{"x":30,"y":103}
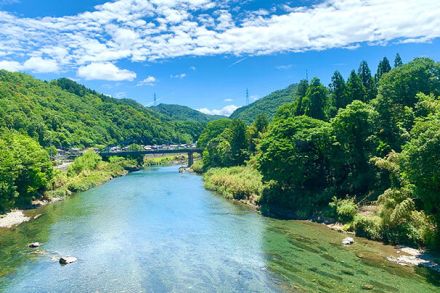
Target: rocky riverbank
{"x":13,"y":218}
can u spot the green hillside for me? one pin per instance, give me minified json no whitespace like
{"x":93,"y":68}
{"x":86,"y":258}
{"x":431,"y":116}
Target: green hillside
{"x":267,"y":105}
{"x":63,"y":113}
{"x":184,"y":113}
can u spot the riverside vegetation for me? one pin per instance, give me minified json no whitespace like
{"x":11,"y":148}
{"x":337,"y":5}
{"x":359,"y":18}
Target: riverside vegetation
{"x":37,"y":117}
{"x":364,"y":152}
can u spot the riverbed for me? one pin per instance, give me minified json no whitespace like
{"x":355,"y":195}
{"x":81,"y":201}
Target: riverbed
{"x":158,"y":230}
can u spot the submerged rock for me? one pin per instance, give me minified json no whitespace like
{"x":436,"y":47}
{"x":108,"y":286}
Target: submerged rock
{"x":348,"y":241}
{"x":65,"y":260}
{"x":34,"y":245}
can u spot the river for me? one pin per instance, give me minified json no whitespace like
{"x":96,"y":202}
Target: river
{"x":160,"y":231}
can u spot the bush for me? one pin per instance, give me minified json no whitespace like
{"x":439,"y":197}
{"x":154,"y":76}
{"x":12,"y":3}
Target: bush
{"x":368,"y":227}
{"x":345,"y":209}
{"x":198,"y":167}
{"x":88,"y":161}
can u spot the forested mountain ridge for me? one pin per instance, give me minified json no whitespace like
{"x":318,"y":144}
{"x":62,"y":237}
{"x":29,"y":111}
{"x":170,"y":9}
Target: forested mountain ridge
{"x":62,"y":113}
{"x":184,"y":113}
{"x":267,"y":105}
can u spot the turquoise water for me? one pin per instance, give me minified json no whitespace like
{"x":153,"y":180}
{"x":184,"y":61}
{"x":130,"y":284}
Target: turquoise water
{"x":161,"y":231}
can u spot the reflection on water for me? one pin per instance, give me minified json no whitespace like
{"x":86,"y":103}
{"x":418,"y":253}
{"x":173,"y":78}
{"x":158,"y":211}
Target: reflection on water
{"x":160,"y":231}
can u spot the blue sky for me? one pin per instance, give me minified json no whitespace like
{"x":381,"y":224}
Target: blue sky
{"x":205,"y":53}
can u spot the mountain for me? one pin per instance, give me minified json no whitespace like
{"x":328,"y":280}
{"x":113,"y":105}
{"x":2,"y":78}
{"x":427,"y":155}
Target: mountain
{"x":267,"y":105}
{"x":184,"y":113}
{"x":63,"y":113}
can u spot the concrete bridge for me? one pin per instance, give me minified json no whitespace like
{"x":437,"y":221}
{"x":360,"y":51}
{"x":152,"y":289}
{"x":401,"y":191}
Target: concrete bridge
{"x":189,"y":151}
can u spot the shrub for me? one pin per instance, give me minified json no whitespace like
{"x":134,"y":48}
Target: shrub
{"x":368,"y":227}
{"x":345,"y":209}
{"x":197,"y":166}
{"x":88,"y":161}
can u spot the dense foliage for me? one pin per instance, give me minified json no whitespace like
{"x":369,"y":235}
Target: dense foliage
{"x":25,"y":170}
{"x":267,"y":105}
{"x":365,"y":152}
{"x":184,"y":113}
{"x":63,"y":113}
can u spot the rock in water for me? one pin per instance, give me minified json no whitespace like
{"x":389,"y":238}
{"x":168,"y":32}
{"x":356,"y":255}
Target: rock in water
{"x":65,"y":260}
{"x":34,"y":244}
{"x":348,"y":241}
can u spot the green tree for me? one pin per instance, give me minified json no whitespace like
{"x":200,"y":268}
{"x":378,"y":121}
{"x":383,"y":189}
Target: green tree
{"x":355,"y":128}
{"x":212,"y":130}
{"x":218,"y":151}
{"x":294,"y":161}
{"x":301,"y":93}
{"x":256,"y":130}
{"x":261,"y":123}
{"x":398,"y":61}
{"x":364,"y":74}
{"x":383,"y":67}
{"x":229,"y":148}
{"x":421,"y":164}
{"x":87,"y":162}
{"x":398,"y":95}
{"x":238,"y":142}
{"x":338,"y":90}
{"x":25,"y":170}
{"x":315,"y":101}
{"x":355,"y":88}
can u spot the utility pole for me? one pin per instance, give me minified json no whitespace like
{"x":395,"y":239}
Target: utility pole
{"x":154,"y":99}
{"x":247,"y":97}
{"x":307,"y":74}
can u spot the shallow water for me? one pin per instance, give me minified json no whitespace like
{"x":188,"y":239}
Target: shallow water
{"x":161,"y":231}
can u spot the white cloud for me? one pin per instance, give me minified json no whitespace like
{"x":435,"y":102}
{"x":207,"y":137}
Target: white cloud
{"x":10,"y":65}
{"x":225,"y":111}
{"x":228,"y":100}
{"x":159,"y":29}
{"x":34,"y":64}
{"x":41,"y":65}
{"x":105,"y":71}
{"x":179,"y":76}
{"x":149,"y":80}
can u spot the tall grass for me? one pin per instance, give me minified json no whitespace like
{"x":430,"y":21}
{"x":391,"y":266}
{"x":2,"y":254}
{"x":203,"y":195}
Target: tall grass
{"x":241,"y":183}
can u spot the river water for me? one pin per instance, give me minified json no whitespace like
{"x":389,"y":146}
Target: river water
{"x":161,"y":231}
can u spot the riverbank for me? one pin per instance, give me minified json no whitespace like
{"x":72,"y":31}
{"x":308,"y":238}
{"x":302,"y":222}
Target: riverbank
{"x":86,"y":172}
{"x":13,"y":218}
{"x":243,"y":185}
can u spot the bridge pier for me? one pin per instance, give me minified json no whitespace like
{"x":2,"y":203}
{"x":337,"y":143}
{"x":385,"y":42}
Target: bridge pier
{"x":190,"y":159}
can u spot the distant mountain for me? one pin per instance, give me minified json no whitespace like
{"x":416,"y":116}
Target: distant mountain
{"x":184,"y":113}
{"x":63,"y":113}
{"x":267,"y":105}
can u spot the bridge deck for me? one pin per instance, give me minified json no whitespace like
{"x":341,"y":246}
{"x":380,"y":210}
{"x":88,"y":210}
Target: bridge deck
{"x":150,"y":152}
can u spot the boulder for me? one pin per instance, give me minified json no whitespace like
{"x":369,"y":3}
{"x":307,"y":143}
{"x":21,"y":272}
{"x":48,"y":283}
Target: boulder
{"x":34,"y":245}
{"x":348,"y":241}
{"x":65,"y":260}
